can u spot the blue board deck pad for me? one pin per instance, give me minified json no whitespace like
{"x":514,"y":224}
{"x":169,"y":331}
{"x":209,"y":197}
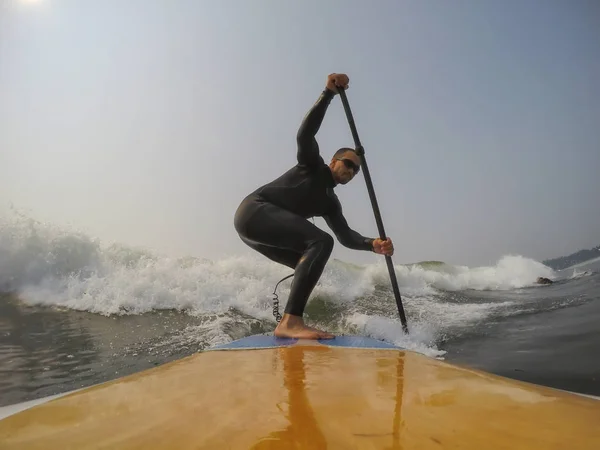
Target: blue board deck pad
{"x":256,"y":341}
{"x":269,"y":341}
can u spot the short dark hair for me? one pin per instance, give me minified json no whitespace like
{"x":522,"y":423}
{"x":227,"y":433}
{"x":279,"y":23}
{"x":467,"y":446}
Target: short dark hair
{"x":341,"y":151}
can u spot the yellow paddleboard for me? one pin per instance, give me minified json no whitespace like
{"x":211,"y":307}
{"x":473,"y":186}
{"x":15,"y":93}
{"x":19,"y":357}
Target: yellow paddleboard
{"x":348,"y":393}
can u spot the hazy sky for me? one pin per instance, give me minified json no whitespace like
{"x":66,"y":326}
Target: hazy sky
{"x":147,"y":121}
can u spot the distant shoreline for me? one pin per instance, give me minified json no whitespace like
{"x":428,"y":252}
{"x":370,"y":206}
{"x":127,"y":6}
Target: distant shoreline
{"x":579,"y":257}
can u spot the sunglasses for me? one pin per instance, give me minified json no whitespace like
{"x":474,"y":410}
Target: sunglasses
{"x":350,"y":164}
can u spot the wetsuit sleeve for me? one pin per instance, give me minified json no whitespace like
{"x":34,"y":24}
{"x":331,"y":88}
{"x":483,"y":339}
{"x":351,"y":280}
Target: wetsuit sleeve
{"x":344,"y":234}
{"x":308,"y":149}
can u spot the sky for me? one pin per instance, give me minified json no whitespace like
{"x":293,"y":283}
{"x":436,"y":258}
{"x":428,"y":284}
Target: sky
{"x":146,"y":122}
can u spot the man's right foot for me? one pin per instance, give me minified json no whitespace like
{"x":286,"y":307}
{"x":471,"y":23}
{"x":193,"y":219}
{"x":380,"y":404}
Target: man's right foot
{"x":294,"y":327}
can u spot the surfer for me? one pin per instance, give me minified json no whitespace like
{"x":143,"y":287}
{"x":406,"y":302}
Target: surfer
{"x":273,"y":219}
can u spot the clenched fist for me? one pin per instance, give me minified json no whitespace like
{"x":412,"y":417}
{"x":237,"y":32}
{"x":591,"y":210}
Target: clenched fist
{"x":336,"y":80}
{"x":383,"y":247}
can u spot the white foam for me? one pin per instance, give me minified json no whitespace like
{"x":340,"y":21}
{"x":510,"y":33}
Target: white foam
{"x":580,"y":274}
{"x":510,"y":272}
{"x":51,"y":266}
{"x":420,"y":339}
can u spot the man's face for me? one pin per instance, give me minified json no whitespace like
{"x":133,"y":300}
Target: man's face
{"x":345,"y":167}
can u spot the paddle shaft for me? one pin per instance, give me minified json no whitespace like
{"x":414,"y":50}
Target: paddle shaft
{"x":363,"y":163}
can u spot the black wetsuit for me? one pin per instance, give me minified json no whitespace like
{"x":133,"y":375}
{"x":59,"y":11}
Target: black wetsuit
{"x":273,"y":219}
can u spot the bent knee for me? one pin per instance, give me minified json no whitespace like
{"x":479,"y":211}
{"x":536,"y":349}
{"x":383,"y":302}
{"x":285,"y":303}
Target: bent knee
{"x":326,"y":243}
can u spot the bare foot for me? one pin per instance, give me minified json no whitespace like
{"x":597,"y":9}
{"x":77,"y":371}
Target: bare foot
{"x":293,"y":327}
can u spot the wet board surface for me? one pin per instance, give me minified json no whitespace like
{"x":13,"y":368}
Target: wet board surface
{"x":344,"y":393}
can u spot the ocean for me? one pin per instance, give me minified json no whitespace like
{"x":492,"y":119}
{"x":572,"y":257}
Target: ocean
{"x":75,"y":311}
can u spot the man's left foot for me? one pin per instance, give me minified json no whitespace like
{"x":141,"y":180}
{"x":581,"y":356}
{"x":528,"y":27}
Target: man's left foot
{"x":293,"y":327}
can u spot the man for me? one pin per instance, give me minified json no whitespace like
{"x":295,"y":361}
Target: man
{"x":273,"y":219}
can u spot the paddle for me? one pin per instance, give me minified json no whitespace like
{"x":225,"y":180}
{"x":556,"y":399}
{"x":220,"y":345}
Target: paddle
{"x":365,"y":169}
